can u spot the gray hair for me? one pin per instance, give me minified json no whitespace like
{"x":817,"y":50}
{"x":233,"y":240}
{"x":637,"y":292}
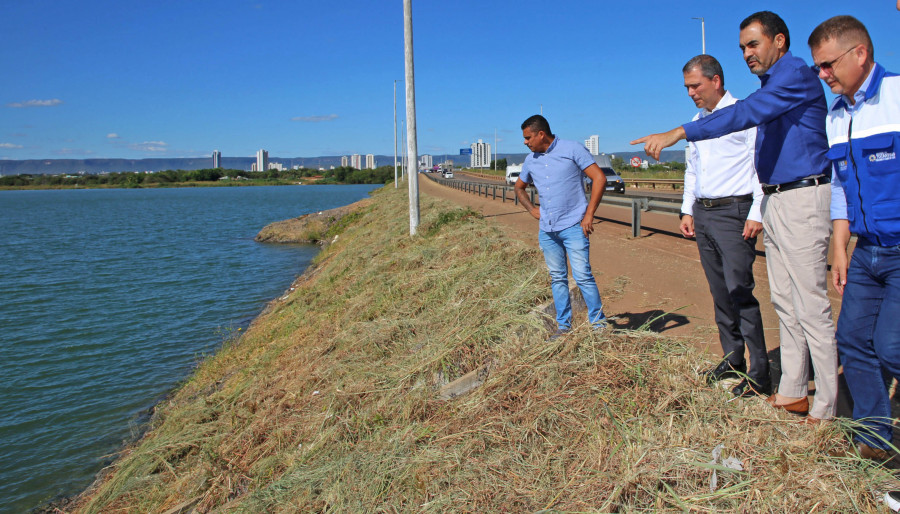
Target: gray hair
{"x":708,"y":65}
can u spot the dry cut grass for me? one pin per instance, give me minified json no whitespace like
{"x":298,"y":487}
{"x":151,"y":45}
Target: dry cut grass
{"x":329,"y":404}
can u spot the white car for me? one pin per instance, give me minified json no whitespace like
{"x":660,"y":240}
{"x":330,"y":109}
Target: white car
{"x":512,"y":173}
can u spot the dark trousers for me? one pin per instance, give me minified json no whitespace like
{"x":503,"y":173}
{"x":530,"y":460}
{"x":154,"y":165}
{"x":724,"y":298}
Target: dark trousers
{"x":727,"y":260}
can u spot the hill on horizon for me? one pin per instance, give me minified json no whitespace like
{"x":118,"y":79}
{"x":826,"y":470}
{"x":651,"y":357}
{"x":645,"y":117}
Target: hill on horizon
{"x":72,"y":166}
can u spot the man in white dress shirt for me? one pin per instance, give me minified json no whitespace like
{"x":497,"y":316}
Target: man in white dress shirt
{"x":721,"y":208}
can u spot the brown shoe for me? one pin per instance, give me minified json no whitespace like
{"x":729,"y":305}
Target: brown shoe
{"x":874,"y":454}
{"x":799,"y":407}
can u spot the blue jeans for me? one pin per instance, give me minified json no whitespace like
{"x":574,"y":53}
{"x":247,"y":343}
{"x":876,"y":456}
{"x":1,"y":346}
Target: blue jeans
{"x":868,"y":337}
{"x":573,"y":243}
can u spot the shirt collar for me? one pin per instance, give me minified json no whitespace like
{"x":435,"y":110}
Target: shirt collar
{"x":725,"y":101}
{"x":549,"y":148}
{"x":860,"y":94}
{"x":775,"y":67}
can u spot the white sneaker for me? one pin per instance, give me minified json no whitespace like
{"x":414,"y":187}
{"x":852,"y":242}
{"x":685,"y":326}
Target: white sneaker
{"x":892,"y":499}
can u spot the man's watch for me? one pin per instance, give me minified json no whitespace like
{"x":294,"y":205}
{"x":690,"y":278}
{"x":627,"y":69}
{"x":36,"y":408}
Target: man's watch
{"x":681,"y":215}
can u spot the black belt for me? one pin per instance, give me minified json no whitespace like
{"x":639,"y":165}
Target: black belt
{"x":726,"y":200}
{"x":797,"y":184}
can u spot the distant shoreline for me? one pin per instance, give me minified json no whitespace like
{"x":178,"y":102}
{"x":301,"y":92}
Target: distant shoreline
{"x":173,"y":185}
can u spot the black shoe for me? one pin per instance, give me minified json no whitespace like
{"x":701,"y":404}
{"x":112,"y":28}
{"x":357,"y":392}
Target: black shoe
{"x":724,"y":370}
{"x":556,"y":335}
{"x":749,"y":387}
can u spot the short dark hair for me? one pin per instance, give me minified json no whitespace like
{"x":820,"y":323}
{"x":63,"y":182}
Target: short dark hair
{"x":772,"y":25}
{"x":537,"y":123}
{"x":708,"y":66}
{"x":842,"y":28}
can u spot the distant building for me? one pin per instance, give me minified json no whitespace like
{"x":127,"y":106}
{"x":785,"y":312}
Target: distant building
{"x":426,"y":161}
{"x":262,"y":160}
{"x":481,"y":155}
{"x":593,"y":144}
{"x":253,"y":167}
{"x":275,"y":166}
{"x":370,"y":161}
{"x":345,"y":161}
{"x":217,"y":159}
{"x":356,"y":161}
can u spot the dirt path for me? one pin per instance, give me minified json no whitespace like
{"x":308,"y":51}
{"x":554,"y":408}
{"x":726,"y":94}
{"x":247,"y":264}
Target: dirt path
{"x":657,"y":275}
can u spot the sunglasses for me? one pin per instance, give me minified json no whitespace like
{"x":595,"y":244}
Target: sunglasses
{"x":828,"y":66}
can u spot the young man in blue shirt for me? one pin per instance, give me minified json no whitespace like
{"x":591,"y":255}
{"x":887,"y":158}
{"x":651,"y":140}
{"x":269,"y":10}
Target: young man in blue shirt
{"x":863,"y":132}
{"x":789,"y":109}
{"x":556,"y":167}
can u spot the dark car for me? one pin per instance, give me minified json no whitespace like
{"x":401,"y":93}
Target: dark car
{"x":614,"y":182}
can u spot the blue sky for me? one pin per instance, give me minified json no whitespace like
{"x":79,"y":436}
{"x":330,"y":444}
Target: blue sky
{"x":98,"y":79}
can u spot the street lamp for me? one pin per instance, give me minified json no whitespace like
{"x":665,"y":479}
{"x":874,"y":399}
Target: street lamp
{"x":395,"y":133}
{"x":702,"y":31}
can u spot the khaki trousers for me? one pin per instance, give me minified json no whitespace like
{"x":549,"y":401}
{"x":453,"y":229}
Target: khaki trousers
{"x":797,"y":226}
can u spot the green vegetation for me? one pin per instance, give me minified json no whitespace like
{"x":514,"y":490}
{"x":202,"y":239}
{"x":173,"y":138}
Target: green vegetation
{"x":660,"y":170}
{"x":329,"y":402}
{"x":219,"y":177}
{"x":485,"y":171}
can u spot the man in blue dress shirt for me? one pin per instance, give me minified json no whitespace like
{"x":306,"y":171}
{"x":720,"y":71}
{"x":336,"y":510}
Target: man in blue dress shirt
{"x":789,"y":109}
{"x":863,"y":132}
{"x":556,"y":168}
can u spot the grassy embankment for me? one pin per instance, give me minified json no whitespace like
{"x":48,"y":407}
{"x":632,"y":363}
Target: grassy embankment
{"x":329,"y":402}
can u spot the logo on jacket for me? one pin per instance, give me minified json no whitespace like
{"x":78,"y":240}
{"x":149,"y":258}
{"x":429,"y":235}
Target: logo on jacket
{"x":882,"y":156}
{"x":842,"y":165}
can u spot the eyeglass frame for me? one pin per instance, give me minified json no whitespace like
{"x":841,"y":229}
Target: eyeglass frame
{"x":828,"y":66}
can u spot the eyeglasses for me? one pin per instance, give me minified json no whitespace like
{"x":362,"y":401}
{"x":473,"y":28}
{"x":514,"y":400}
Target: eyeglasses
{"x":829,"y":66}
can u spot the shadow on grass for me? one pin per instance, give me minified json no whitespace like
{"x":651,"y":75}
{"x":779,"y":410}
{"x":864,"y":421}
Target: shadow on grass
{"x":654,"y":321}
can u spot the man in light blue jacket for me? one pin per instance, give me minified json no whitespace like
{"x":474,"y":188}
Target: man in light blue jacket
{"x":863,"y":128}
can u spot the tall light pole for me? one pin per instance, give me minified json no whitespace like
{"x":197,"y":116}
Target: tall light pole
{"x":495,"y":149}
{"x":702,"y":31}
{"x":411,"y":119}
{"x":395,"y":134}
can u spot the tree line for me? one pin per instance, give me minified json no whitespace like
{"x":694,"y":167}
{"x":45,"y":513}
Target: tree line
{"x":340,"y":175}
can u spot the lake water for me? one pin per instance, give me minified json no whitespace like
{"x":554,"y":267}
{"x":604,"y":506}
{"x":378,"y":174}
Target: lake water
{"x":108,"y":298}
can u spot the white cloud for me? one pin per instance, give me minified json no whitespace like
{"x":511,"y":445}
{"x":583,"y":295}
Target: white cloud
{"x":150,"y":146}
{"x":35,"y":103}
{"x":9,"y":145}
{"x":112,"y":135}
{"x":315,"y":119}
{"x":73,"y":151}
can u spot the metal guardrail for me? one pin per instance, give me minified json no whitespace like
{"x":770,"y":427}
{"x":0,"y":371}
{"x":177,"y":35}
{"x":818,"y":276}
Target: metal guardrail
{"x":674,"y":183}
{"x":653,"y":183}
{"x":638,"y":204}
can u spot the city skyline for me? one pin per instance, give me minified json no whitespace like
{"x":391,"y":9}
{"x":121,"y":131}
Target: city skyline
{"x":101,"y":79}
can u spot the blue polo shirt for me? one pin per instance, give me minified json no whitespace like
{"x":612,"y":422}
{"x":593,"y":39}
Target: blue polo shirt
{"x":557,"y":175}
{"x":790,"y":110}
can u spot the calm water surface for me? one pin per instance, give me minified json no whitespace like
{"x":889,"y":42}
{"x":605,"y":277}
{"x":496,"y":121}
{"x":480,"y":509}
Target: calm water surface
{"x":108,"y":298}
